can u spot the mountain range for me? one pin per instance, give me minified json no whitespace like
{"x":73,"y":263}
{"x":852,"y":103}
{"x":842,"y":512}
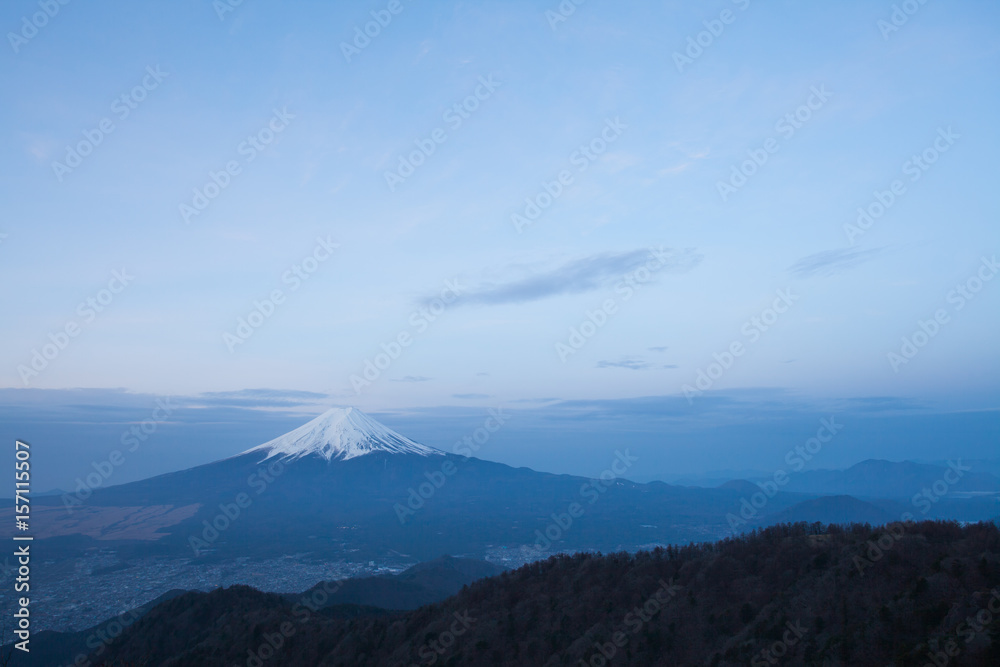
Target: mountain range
{"x":344,"y":493}
{"x":345,"y":486}
{"x":887,"y":479}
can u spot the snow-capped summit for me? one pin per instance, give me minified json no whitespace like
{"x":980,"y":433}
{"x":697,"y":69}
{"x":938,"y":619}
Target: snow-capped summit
{"x":341,"y":433}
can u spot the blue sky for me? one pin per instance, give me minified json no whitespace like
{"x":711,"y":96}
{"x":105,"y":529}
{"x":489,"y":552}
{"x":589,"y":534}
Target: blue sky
{"x":597,"y":101}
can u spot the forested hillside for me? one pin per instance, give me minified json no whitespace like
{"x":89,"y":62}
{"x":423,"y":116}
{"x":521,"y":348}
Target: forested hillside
{"x":790,"y":594}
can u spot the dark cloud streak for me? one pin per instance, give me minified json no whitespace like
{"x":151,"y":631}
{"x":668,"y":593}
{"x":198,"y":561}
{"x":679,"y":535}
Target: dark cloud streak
{"x":577,"y":276}
{"x":831,"y":262}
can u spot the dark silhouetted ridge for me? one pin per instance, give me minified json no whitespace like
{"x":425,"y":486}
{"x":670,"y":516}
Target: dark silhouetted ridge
{"x":817,"y":595}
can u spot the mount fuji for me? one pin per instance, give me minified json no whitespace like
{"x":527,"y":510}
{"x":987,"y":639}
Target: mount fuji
{"x":345,"y":487}
{"x":341,"y":434}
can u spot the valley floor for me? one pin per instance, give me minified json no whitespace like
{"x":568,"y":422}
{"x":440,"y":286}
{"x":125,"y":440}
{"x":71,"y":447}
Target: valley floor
{"x":72,"y":596}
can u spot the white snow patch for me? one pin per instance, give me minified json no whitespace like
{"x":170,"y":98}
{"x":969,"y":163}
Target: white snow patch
{"x":341,"y":433}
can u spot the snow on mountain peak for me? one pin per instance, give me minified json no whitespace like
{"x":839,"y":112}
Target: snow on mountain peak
{"x":341,"y":433}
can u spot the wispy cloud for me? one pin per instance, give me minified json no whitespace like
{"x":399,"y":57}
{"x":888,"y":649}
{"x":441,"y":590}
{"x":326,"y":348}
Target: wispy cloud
{"x":470,"y":396}
{"x":250,"y":398}
{"x":411,"y":378}
{"x":882,"y":404}
{"x":577,"y":276}
{"x":829,"y":262}
{"x":690,"y":159}
{"x":631,"y":363}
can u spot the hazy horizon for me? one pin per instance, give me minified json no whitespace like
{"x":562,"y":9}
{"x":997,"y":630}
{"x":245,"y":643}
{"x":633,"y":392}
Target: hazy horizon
{"x":737,"y":431}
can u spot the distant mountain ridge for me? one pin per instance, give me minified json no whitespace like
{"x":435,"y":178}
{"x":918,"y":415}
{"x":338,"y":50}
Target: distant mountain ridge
{"x":832,"y":509}
{"x":875,"y":478}
{"x":422,"y":584}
